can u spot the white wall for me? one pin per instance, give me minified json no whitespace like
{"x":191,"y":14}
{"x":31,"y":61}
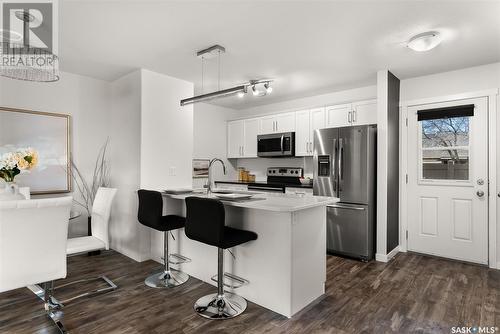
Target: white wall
{"x":127,"y":235}
{"x":454,"y":82}
{"x":466,"y":80}
{"x":166,"y":132}
{"x":209,"y":136}
{"x":88,"y":102}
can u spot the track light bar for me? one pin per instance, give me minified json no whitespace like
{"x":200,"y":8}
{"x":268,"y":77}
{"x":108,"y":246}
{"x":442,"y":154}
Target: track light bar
{"x":213,"y":95}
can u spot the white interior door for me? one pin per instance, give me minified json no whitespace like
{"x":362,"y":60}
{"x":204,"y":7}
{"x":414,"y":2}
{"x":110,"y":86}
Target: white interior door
{"x":448,"y":180}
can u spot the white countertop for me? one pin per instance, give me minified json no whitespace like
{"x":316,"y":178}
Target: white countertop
{"x":269,"y":201}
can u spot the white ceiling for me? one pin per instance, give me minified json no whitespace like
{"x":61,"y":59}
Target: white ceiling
{"x":308,"y":47}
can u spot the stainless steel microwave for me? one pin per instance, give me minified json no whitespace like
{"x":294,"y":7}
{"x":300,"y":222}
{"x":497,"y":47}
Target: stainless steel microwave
{"x":276,"y":145}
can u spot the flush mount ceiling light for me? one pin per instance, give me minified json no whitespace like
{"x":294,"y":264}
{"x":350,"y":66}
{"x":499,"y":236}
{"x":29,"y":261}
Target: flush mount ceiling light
{"x":424,"y":41}
{"x":240,"y":90}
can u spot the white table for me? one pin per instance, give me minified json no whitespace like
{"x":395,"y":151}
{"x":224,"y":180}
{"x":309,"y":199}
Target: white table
{"x":286,"y":265}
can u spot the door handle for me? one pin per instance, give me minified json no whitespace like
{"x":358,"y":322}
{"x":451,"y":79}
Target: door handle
{"x":480,"y":193}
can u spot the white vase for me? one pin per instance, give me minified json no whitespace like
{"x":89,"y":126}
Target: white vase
{"x":11,"y":192}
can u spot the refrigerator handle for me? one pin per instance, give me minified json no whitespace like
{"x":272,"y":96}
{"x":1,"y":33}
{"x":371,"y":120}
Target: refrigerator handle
{"x":334,"y":159}
{"x":341,"y":163}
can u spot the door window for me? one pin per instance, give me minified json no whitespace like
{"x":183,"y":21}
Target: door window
{"x":445,"y":150}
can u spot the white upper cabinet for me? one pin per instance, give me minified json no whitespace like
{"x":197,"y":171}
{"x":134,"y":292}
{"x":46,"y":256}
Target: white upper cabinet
{"x":242,"y":134}
{"x":242,"y":138}
{"x":285,"y":122}
{"x":339,"y":115}
{"x":302,"y":132}
{"x":235,"y":139}
{"x":364,"y":112}
{"x":357,"y":113}
{"x":318,"y":120}
{"x":267,"y":124}
{"x":306,"y":122}
{"x":251,"y":130}
{"x":277,"y":123}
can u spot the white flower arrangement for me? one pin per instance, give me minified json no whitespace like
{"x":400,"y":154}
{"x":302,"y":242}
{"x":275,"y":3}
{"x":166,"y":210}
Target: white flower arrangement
{"x":12,"y":163}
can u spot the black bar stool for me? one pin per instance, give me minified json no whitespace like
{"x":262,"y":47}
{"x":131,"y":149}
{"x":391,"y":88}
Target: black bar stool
{"x":205,"y":222}
{"x":150,"y":213}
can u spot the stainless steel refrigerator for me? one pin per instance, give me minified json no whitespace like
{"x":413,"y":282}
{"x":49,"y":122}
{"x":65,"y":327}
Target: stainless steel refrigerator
{"x":345,"y":167}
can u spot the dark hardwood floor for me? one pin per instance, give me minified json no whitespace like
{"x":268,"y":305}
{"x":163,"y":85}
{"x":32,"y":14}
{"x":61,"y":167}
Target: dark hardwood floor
{"x":411,"y":294}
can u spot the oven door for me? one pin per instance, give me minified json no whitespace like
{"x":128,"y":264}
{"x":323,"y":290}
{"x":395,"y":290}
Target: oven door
{"x":276,"y":145}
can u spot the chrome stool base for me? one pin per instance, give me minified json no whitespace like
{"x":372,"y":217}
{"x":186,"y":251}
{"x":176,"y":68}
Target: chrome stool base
{"x":165,"y":279}
{"x":214,"y":306}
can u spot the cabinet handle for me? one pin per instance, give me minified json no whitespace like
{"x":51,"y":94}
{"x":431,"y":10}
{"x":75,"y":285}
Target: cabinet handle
{"x":242,"y":151}
{"x":354,"y":116}
{"x":349,"y":117}
{"x":307,"y":147}
{"x":276,"y":125}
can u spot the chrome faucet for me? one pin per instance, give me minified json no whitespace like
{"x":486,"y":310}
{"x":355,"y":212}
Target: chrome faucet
{"x":209,"y":185}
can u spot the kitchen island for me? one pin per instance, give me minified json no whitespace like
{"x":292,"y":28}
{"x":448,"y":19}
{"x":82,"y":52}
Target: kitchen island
{"x":285,"y":266}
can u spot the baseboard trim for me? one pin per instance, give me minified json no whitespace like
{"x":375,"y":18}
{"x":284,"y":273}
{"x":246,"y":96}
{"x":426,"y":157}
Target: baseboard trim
{"x":387,"y":257}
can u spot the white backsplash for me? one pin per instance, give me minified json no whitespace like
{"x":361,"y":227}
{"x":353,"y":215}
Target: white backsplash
{"x":258,"y":166}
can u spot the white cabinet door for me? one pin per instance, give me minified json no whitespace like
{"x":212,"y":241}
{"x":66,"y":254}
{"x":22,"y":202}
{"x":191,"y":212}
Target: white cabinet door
{"x":318,"y":121}
{"x":285,"y":122}
{"x":302,"y":133}
{"x":339,"y":115}
{"x":364,"y":112}
{"x":251,"y":127}
{"x":267,"y":124}
{"x":235,"y":138}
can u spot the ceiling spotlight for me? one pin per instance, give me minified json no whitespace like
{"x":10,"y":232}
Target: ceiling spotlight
{"x":268,"y":88}
{"x":424,"y":41}
{"x":242,"y":93}
{"x":255,"y":91}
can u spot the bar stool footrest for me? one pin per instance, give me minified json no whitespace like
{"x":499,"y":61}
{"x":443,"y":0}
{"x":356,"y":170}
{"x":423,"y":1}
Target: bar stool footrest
{"x":177,"y":259}
{"x":238,"y":281}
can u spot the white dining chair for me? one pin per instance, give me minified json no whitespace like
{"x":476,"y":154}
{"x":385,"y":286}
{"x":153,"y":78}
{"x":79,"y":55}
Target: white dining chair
{"x":99,"y":240}
{"x":25,"y":191}
{"x":33,"y":237}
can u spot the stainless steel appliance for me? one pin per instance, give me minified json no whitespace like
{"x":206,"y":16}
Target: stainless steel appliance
{"x":278,"y":178}
{"x":276,"y":145}
{"x":345,"y":167}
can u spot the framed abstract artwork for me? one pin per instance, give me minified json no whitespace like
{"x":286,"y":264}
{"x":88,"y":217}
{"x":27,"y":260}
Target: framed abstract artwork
{"x":200,"y":168}
{"x":49,"y":135}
